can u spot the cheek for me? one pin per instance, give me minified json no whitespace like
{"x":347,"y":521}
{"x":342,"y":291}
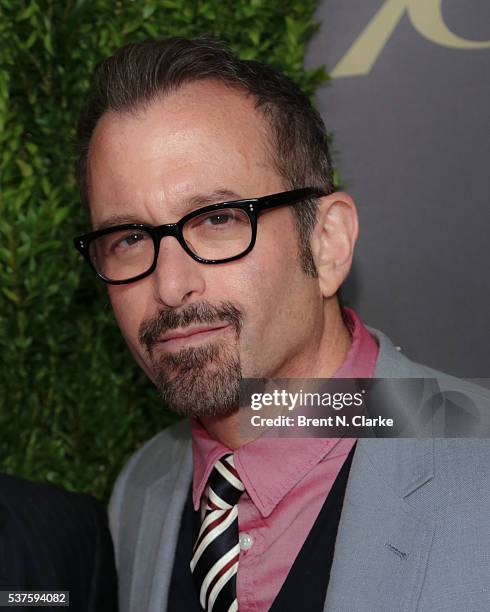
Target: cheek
{"x":128,"y":308}
{"x":276,"y":263}
{"x":268,"y":285}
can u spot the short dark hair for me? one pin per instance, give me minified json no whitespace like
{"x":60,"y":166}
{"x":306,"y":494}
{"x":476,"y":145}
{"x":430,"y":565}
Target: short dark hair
{"x":140,"y":73}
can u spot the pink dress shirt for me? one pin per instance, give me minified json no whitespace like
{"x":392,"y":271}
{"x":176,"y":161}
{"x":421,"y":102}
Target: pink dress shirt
{"x":286,"y":483}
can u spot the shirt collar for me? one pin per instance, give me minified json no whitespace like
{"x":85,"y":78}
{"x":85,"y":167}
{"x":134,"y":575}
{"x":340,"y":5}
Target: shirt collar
{"x":267,"y":487}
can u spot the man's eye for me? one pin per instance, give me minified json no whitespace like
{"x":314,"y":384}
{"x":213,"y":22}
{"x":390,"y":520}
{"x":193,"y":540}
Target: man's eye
{"x":218,"y":219}
{"x":128,"y":241}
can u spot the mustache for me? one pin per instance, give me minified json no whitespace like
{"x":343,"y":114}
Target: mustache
{"x":153,"y":328}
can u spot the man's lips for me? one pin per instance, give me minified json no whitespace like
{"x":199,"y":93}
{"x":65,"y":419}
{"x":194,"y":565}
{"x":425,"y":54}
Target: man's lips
{"x":175,"y":336}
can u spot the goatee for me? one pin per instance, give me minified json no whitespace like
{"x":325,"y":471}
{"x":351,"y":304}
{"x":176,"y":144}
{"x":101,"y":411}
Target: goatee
{"x":200,"y":381}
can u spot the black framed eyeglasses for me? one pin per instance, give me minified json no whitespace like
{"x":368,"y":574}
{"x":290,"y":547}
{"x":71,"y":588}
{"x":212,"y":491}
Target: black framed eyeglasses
{"x":214,"y":234}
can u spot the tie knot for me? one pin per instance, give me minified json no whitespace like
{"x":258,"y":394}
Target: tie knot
{"x":225,"y":487}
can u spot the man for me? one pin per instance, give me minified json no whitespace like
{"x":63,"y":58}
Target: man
{"x":53,"y":540}
{"x":223,"y":246}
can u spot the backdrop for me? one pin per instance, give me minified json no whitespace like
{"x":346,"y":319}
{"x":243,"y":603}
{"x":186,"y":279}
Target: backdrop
{"x":73,"y":403}
{"x":409,"y":108}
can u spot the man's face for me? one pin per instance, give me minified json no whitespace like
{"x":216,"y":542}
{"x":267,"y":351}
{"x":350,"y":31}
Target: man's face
{"x":195,"y":328}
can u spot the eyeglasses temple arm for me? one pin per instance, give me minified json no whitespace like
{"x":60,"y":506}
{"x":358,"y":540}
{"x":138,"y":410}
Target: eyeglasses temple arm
{"x":290,"y":197}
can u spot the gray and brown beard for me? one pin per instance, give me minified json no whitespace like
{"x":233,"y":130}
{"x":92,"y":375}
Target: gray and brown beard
{"x":199,"y":381}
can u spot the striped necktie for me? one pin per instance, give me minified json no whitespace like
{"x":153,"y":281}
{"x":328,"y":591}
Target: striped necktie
{"x":215,"y":555}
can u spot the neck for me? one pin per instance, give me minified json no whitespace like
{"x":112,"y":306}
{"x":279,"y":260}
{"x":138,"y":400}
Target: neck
{"x":330,"y":353}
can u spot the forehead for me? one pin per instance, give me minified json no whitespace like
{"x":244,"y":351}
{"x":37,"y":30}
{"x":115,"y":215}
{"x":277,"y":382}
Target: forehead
{"x":203,"y":137}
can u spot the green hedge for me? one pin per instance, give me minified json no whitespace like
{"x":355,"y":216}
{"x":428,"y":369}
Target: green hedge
{"x":73,"y":405}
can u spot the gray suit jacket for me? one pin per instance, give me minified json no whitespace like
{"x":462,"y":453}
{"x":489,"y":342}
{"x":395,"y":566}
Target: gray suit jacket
{"x":414,"y":533}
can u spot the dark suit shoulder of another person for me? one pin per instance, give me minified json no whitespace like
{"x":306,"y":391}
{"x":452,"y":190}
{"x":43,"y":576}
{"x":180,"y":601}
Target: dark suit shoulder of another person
{"x":52,"y":539}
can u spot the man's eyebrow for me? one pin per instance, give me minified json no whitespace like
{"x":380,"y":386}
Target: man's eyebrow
{"x":215,"y":197}
{"x":116,"y":220}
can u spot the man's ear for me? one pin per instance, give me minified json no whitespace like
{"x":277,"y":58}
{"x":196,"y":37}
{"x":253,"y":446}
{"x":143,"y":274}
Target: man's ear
{"x":333,"y":240}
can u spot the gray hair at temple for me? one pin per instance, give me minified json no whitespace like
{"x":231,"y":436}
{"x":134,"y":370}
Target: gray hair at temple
{"x":140,"y":73}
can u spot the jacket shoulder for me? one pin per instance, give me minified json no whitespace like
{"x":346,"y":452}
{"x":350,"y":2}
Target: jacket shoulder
{"x":160,"y":452}
{"x":147,"y":465}
{"x":56,"y":540}
{"x":22,"y":496}
{"x":392,"y":363}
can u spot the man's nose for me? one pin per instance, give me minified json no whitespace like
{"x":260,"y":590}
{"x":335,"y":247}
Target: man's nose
{"x":177,"y":277}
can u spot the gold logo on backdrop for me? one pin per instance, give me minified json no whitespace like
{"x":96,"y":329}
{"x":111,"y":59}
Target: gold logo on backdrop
{"x":426,"y":18}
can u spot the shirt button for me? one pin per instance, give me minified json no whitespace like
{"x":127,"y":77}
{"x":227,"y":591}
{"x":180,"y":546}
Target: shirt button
{"x":246,"y":541}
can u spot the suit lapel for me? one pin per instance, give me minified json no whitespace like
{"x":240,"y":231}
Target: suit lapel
{"x":383,"y":543}
{"x":158,"y":532}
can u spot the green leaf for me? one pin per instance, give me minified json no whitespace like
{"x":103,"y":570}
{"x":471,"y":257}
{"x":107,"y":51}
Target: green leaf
{"x":25,"y":168}
{"x":148,"y":11}
{"x":31,"y":40}
{"x":60,"y":215}
{"x":13,"y":297}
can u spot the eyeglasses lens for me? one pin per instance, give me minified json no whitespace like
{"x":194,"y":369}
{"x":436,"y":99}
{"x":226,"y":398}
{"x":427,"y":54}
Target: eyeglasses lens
{"x":215,"y":235}
{"x":122,"y":254}
{"x":218,"y":234}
